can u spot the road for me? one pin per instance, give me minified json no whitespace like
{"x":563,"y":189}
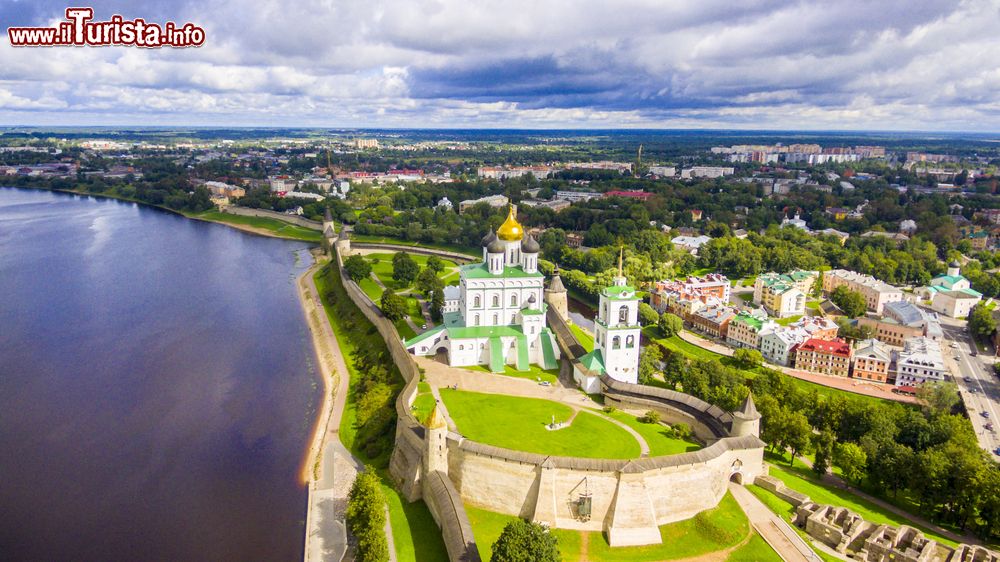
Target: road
{"x":982,"y":392}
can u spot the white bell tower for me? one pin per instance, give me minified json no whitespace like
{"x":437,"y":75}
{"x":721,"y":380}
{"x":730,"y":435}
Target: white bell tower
{"x":617,"y":329}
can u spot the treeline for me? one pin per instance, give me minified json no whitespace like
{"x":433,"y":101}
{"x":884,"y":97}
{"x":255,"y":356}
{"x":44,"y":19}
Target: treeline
{"x":378,"y":381}
{"x":929,"y":454}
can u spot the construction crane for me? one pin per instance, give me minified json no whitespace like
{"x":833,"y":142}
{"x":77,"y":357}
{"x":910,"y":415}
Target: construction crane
{"x":638,"y":162}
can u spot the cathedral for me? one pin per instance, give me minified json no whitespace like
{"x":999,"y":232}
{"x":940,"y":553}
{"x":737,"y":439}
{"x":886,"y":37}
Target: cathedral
{"x":497,"y":316}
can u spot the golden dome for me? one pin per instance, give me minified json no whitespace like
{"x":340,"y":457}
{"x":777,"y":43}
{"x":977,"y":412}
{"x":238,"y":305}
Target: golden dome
{"x":510,"y":230}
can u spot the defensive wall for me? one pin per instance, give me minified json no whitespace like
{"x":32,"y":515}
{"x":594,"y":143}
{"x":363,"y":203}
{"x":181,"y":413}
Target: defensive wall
{"x":626,"y":499}
{"x":264,"y":213}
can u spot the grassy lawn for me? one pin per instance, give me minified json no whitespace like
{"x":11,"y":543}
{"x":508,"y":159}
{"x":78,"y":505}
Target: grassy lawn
{"x":404,"y":329}
{"x":371,"y":288}
{"x":422,"y":405}
{"x":382,"y":267}
{"x":519,"y":423}
{"x":783,"y":509}
{"x":534,"y":372}
{"x":798,"y":480}
{"x":745,"y":297}
{"x":415,"y":534}
{"x":756,"y":550}
{"x":657,"y":437}
{"x":675,"y":343}
{"x":812,"y":305}
{"x":585,"y":338}
{"x":788,"y":321}
{"x":413,"y":308}
{"x":275,"y":226}
{"x":709,"y":531}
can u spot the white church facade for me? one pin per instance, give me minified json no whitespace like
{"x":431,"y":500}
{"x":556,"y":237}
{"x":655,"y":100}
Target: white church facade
{"x":496,"y":317}
{"x":616,"y":338}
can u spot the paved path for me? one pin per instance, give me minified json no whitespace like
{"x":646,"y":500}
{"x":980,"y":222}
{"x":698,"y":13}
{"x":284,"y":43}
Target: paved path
{"x":776,"y":531}
{"x":325,"y":529}
{"x":856,"y":386}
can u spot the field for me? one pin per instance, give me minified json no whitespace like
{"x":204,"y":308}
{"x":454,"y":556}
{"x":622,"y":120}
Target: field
{"x":534,"y":372}
{"x":711,"y":530}
{"x":585,"y":338}
{"x":657,"y":437}
{"x":519,"y":423}
{"x":274,"y":226}
{"x":755,"y":550}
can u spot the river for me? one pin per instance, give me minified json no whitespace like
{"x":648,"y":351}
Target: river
{"x":157,"y":386}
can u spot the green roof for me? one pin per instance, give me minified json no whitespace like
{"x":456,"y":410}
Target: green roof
{"x":483,"y":332}
{"x":593,"y":361}
{"x":617,"y":292}
{"x":751,"y":321}
{"x":480,"y":271}
{"x":533,"y":312}
{"x":948,"y":280}
{"x":421,"y":337}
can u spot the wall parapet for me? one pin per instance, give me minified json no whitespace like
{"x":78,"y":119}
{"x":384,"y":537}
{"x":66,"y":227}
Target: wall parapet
{"x":265,"y":213}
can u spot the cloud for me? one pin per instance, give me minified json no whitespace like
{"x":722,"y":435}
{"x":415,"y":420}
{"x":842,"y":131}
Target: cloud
{"x":897,"y":64}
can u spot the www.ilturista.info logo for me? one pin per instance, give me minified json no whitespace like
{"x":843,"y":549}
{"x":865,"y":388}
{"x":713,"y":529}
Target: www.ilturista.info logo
{"x":79,"y":30}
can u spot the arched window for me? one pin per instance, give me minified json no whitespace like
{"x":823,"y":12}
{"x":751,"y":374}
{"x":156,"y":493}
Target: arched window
{"x":616,"y":342}
{"x":630,"y":341}
{"x":475,"y":320}
{"x":513,"y":300}
{"x":496,"y":301}
{"x":496,"y":320}
{"x":477,"y":302}
{"x":623,"y":314}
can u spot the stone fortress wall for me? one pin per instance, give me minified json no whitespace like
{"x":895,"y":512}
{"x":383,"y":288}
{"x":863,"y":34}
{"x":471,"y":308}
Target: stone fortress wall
{"x":264,"y":213}
{"x":629,"y":499}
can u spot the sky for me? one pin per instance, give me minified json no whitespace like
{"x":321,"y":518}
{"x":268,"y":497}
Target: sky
{"x":754,"y":64}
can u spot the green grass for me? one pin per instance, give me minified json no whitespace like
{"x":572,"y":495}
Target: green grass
{"x":745,"y":297}
{"x":675,"y":343}
{"x":797,"y":480}
{"x":812,"y":305}
{"x":422,"y":406}
{"x":657,"y":436}
{"x":756,"y":550}
{"x":383,"y":270}
{"x":404,"y":329}
{"x":519,"y":423}
{"x":473,"y":253}
{"x":533,"y":373}
{"x":789,"y":320}
{"x":415,"y":534}
{"x":585,"y":338}
{"x":413,"y":308}
{"x":711,"y":530}
{"x":275,"y":226}
{"x":371,"y":288}
{"x":785,"y":510}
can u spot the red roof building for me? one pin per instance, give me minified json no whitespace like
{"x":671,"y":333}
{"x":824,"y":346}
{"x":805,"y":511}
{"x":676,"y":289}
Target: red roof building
{"x":829,"y":357}
{"x":633,"y":194}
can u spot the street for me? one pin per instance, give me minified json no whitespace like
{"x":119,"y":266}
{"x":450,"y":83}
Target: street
{"x":982,"y":393}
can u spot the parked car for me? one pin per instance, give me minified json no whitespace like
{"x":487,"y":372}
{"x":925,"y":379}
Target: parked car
{"x":967,"y":379}
{"x":996,"y":451}
{"x":985,"y":414}
{"x":954,"y":345}
{"x":424,"y":327}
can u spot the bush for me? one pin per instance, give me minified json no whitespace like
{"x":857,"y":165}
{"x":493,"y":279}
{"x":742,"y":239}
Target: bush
{"x":681,"y":430}
{"x":670,"y":324}
{"x":650,"y":416}
{"x":523,"y":541}
{"x":609,"y":409}
{"x":366,"y":518}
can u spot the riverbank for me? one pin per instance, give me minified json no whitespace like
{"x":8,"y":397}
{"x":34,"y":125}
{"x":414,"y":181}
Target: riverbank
{"x":271,"y":228}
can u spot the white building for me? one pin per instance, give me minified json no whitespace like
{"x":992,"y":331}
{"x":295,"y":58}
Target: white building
{"x":919,"y":362}
{"x":707,"y":172}
{"x":495,"y":201}
{"x":500,"y":317}
{"x":951,"y":294}
{"x":444,"y":203}
{"x":776,"y":346}
{"x":616,"y":337}
{"x":876,"y":293}
{"x":690,"y":243}
{"x":795,"y":222}
{"x":663,"y":171}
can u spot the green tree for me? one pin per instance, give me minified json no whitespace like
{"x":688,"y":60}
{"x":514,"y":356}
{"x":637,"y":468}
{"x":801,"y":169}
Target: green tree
{"x":366,"y":517}
{"x":428,"y":281}
{"x":748,"y":358}
{"x":823,"y":443}
{"x":392,"y":305}
{"x":670,"y":324}
{"x":851,"y":302}
{"x":435,"y":263}
{"x":437,"y":304}
{"x":981,"y":323}
{"x":523,"y":541}
{"x":647,"y":315}
{"x":649,"y":362}
{"x":939,"y":396}
{"x":357,"y":268}
{"x":404,"y":269}
{"x":797,"y":432}
{"x":851,"y":460}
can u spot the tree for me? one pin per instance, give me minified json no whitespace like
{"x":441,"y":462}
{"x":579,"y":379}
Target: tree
{"x":796,"y":433}
{"x":670,"y":324}
{"x":981,"y":323}
{"x":649,"y":363}
{"x":823,"y":445}
{"x":437,"y":304}
{"x":392,"y":305}
{"x":435,"y":263}
{"x":357,"y":268}
{"x":366,"y":517}
{"x":748,"y":358}
{"x":427,"y":281}
{"x":939,"y":396}
{"x":651,"y":416}
{"x":851,"y":302}
{"x":647,"y":315}
{"x":851,"y":460}
{"x":404,"y":269}
{"x":523,"y":541}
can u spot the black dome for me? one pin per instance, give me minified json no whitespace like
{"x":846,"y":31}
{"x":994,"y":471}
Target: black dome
{"x":495,"y":247}
{"x":530,"y":245}
{"x":490,"y":236}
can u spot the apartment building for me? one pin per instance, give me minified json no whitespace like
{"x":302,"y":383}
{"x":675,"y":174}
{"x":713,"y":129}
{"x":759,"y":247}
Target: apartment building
{"x":778,"y":345}
{"x":872,"y":360}
{"x":784,"y":294}
{"x":828,"y":357}
{"x":713,"y":320}
{"x":746,"y":329}
{"x":818,"y":327}
{"x":920,"y":361}
{"x":876,"y":293}
{"x":495,"y":201}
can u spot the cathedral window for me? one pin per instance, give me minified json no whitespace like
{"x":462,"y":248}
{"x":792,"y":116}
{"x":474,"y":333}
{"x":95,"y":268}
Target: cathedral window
{"x":630,"y":341}
{"x":475,"y":320}
{"x":496,"y":320}
{"x":513,"y":300}
{"x":623,"y":314}
{"x":496,"y":301}
{"x":616,"y":342}
{"x":477,"y":302}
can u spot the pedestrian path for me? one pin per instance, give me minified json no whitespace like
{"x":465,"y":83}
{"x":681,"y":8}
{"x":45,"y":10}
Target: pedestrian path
{"x":775,"y":530}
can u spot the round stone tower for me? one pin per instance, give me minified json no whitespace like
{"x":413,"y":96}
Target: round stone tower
{"x":555,"y":296}
{"x":746,"y":420}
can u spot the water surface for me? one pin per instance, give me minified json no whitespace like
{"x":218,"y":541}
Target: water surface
{"x":156,"y":385}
